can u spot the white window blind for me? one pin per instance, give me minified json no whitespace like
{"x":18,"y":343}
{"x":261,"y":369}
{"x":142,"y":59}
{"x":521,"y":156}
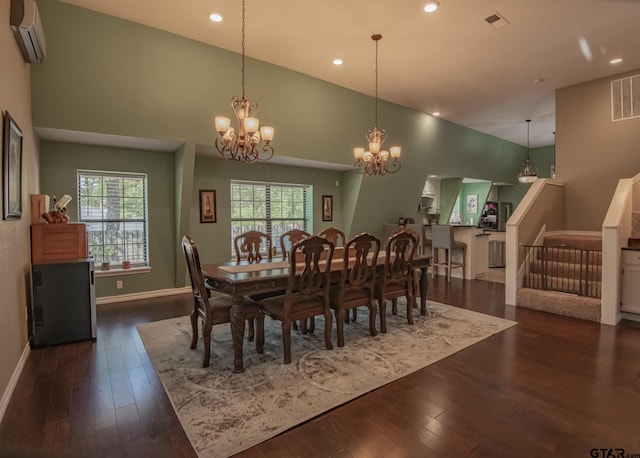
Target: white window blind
{"x":114,"y":208}
{"x":271,"y":208}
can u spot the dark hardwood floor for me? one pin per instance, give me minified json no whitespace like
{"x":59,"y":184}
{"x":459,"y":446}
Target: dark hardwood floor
{"x":550,"y":386}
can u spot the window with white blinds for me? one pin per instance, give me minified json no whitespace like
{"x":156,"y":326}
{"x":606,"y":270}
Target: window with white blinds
{"x":114,"y":207}
{"x":625,"y":98}
{"x":271,"y":208}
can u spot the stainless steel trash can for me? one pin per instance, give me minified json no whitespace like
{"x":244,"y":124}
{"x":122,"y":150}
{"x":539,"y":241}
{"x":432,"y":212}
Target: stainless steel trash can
{"x":496,"y":253}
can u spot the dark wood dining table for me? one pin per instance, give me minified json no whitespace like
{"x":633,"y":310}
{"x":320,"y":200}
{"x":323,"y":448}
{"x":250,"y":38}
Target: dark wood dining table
{"x":243,"y":279}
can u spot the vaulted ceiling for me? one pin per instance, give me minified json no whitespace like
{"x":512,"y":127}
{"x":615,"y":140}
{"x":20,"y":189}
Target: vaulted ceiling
{"x":451,"y":61}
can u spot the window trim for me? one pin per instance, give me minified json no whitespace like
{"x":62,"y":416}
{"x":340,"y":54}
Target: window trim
{"x":116,"y":269}
{"x":307,"y":206}
{"x":115,"y":272}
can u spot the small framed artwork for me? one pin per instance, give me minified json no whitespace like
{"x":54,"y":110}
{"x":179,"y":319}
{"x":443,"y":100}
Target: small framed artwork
{"x":327,"y":208}
{"x":12,"y":168}
{"x":207,"y":206}
{"x":472,"y":203}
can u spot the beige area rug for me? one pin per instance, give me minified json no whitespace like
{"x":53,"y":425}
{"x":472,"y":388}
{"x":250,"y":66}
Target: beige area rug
{"x":224,"y":413}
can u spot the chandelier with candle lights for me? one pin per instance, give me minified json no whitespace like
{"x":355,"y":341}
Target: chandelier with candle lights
{"x":244,"y":144}
{"x":375,"y":160}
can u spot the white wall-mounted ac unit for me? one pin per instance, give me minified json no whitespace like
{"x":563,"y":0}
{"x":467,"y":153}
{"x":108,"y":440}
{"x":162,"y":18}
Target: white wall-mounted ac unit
{"x":27,"y":28}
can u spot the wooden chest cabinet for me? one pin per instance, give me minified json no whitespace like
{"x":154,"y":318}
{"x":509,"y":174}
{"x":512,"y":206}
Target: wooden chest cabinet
{"x":58,"y":242}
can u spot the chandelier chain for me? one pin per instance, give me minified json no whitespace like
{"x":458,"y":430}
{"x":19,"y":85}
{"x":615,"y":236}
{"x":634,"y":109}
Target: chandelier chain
{"x":375,"y":124}
{"x":528,"y":124}
{"x":374,"y":160}
{"x":528,"y":173}
{"x":243,"y":13}
{"x":248,"y":141}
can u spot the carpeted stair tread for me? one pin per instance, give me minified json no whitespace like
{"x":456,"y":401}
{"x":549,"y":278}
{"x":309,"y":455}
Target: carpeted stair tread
{"x":557,"y":303}
{"x":567,"y":254}
{"x":565,"y":269}
{"x":594,"y":288}
{"x":582,"y":241}
{"x":562,"y":266}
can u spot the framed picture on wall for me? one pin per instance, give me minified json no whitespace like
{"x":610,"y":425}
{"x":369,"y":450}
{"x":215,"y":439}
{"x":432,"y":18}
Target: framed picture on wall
{"x":472,"y":203}
{"x":327,"y":208}
{"x":207,"y":206}
{"x":11,"y":168}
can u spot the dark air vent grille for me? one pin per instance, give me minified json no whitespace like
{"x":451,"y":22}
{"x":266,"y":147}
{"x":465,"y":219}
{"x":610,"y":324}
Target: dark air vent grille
{"x":496,"y":20}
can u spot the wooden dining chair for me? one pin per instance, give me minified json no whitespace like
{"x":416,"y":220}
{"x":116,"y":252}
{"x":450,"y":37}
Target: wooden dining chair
{"x":214,"y":309}
{"x":411,"y":229}
{"x":335,"y":236}
{"x":289,"y":238}
{"x":397,"y":278}
{"x":357,"y":282}
{"x":253,"y":246}
{"x":307,"y":292}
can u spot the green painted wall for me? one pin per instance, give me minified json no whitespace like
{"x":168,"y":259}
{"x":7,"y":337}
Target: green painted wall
{"x":60,"y":163}
{"x":350,"y":184}
{"x":214,"y":240}
{"x":431,"y":146}
{"x":104,"y":74}
{"x":107,"y":75}
{"x":184,"y":164}
{"x":542,"y":157}
{"x":449,"y":190}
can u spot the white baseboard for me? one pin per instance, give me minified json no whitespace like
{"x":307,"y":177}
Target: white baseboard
{"x":8,"y":392}
{"x":13,"y":381}
{"x":630,"y":316}
{"x":142,"y":295}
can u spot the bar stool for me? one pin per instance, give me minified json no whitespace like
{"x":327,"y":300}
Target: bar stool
{"x":442,"y":238}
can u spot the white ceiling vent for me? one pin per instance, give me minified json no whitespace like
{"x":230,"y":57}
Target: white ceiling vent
{"x":496,"y":20}
{"x":625,"y":98}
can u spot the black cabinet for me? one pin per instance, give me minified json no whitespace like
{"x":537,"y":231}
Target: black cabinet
{"x":63,"y":303}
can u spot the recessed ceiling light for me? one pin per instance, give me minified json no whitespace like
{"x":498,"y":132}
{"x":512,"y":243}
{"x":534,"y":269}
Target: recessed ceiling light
{"x":430,"y":7}
{"x":436,"y":113}
{"x":337,"y":61}
{"x":215,"y":17}
{"x":617,"y":60}
{"x":538,"y":80}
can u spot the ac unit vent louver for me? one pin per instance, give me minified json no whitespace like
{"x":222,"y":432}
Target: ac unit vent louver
{"x":27,"y":29}
{"x":625,"y":98}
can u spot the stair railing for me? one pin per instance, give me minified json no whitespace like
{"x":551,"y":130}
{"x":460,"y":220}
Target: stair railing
{"x":563,"y":268}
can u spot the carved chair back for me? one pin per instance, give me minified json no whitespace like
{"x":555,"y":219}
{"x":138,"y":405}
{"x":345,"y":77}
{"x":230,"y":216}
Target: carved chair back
{"x":362,"y":253}
{"x":310,"y":267}
{"x":335,"y":236}
{"x":290,"y":238}
{"x":253,"y":246}
{"x":307,"y":293}
{"x":401,"y":248}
